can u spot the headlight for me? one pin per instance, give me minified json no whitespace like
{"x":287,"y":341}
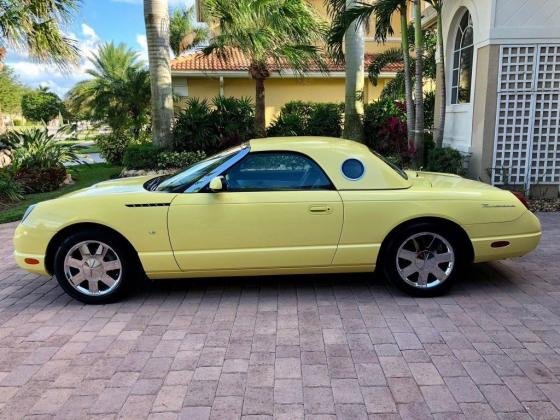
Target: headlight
{"x":28,"y":212}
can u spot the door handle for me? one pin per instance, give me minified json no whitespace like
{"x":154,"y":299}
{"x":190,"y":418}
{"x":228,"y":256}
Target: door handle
{"x":320,"y":209}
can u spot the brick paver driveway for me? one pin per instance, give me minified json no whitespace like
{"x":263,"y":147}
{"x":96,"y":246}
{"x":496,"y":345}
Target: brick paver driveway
{"x":345,"y":345}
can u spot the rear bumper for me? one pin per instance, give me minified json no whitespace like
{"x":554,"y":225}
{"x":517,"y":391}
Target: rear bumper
{"x":522,"y":234}
{"x":518,"y":245}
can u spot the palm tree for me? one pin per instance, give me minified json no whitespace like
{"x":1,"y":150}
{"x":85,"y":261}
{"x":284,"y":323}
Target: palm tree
{"x":419,"y":85}
{"x":156,"y":18}
{"x":440,"y":76}
{"x":382,"y":11}
{"x":118,"y":91}
{"x":269,"y":33}
{"x":351,"y":35}
{"x":183,"y":33}
{"x":35,"y":26}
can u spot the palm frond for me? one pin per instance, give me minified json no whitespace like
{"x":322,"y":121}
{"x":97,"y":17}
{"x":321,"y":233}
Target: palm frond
{"x":37,"y":26}
{"x":342,"y":22}
{"x":384,"y":11}
{"x":184,"y":33}
{"x":393,"y":55}
{"x":267,"y":31}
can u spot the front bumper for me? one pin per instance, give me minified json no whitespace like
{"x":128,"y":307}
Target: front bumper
{"x":22,"y":260}
{"x":30,"y":248}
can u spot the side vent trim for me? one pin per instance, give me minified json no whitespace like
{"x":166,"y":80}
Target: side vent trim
{"x":149,"y":205}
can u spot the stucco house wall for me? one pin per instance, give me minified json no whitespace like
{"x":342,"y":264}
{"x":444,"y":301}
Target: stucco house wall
{"x":500,"y":124}
{"x":279,"y":90}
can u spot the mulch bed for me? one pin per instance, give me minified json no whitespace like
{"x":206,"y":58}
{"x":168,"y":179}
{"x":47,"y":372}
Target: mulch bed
{"x":544,"y":205}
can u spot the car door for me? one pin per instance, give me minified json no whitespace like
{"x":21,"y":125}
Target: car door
{"x":278,"y":209}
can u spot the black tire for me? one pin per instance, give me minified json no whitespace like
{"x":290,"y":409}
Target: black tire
{"x":393,"y":266}
{"x":127,"y":274}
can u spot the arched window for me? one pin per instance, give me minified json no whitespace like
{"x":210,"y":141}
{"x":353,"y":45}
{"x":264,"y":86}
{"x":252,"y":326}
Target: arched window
{"x":462,"y":61}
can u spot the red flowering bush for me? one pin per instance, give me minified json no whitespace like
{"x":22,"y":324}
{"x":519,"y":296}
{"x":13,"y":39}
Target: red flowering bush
{"x":386,"y":132}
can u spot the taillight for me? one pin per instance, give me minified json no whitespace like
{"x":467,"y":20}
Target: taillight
{"x":521,"y":197}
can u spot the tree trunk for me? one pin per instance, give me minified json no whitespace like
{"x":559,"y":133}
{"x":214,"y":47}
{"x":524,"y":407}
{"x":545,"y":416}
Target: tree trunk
{"x":419,"y":50}
{"x":2,"y":56}
{"x":354,"y":96}
{"x":441,"y":88}
{"x":260,"y":122}
{"x":410,"y":117}
{"x":156,"y":17}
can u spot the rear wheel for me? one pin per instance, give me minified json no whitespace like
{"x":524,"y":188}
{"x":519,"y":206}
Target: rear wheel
{"x":95,"y":267}
{"x":424,"y":259}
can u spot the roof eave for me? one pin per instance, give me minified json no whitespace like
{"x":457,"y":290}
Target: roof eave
{"x":283,"y":74}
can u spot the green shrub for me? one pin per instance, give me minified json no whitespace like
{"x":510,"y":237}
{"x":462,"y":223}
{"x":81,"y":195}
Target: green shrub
{"x":233,"y":122}
{"x":385,"y":130}
{"x":36,"y":149}
{"x":286,"y":125}
{"x":17,"y":123}
{"x":429,"y":109}
{"x":376,"y":115}
{"x":298,"y":118}
{"x":38,"y":158}
{"x":10,"y":190}
{"x":166,"y":160}
{"x":445,"y":159}
{"x":429,"y":145}
{"x":212,"y":127}
{"x":35,"y":180}
{"x":112,"y":146}
{"x":147,"y":156}
{"x":325,"y":120}
{"x":141,"y":156}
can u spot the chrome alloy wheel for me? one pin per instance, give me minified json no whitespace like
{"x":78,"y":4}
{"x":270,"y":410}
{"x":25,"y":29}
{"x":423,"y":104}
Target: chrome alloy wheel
{"x":93,"y":268}
{"x":425,"y":260}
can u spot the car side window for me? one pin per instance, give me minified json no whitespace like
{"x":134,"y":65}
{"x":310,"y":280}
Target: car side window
{"x":276,"y":171}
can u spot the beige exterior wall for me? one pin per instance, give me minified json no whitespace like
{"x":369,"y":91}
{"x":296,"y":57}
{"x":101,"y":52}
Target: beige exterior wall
{"x":371,"y":46}
{"x":278,"y":90}
{"x":484,"y":111}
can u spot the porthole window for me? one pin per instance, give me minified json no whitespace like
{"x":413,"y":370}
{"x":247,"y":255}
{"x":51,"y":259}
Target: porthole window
{"x":353,"y":169}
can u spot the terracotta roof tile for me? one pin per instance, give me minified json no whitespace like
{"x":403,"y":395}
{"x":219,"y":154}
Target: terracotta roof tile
{"x":234,"y":61}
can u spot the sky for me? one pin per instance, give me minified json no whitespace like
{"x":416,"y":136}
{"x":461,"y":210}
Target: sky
{"x":96,"y":22}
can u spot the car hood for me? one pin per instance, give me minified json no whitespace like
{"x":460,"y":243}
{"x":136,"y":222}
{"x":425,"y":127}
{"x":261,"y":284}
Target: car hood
{"x":120,"y":186}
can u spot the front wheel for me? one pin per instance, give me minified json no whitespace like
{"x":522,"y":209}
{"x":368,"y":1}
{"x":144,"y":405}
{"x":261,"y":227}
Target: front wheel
{"x":424,"y":259}
{"x":94,"y":267}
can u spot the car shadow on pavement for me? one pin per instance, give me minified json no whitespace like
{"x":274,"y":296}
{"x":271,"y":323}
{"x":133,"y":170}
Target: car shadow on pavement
{"x":476,"y":279}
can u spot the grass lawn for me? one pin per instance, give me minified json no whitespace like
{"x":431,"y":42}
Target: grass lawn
{"x":83,"y":175}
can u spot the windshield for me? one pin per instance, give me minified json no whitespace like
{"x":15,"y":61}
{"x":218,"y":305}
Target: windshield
{"x":186,"y":178}
{"x":391,"y":164}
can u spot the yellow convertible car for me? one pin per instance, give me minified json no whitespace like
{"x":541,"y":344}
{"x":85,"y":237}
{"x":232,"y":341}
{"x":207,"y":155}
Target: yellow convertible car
{"x":274,"y":206}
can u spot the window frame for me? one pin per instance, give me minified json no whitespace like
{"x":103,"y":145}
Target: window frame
{"x":457,"y":59}
{"x":202,"y":184}
{"x":346,"y":176}
{"x":331,"y":186}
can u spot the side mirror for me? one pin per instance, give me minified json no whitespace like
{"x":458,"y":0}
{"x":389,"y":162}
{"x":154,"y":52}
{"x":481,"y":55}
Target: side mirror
{"x":217,"y":184}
